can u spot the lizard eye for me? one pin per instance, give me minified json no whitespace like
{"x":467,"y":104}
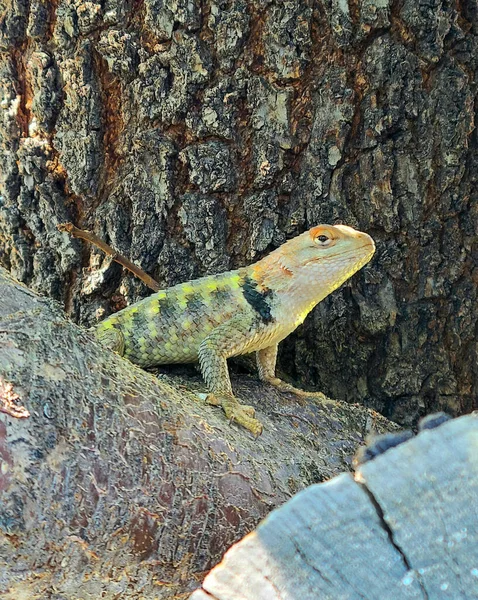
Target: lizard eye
{"x":323,"y":240}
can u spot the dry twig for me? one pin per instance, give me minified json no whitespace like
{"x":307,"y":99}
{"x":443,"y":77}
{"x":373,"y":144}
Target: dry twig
{"x":119,"y":258}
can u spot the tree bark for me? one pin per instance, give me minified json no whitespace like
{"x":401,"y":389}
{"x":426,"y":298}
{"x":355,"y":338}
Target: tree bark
{"x":119,"y":483}
{"x":195,"y":136}
{"x":404,"y":528}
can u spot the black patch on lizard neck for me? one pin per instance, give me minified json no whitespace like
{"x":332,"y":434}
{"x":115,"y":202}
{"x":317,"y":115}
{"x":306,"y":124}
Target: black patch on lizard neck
{"x":258,"y":299}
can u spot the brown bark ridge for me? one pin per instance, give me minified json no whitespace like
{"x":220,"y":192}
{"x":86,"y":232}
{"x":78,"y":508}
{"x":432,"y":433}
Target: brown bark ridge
{"x":195,"y":136}
{"x":404,"y":528}
{"x":120,"y":484}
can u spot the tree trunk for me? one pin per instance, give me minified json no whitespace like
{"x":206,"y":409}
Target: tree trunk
{"x":119,"y":484}
{"x":195,"y":136}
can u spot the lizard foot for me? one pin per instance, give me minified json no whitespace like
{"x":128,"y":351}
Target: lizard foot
{"x":217,"y":401}
{"x":213,"y":400}
{"x":237,"y":413}
{"x":249,"y":410}
{"x":282,"y":386}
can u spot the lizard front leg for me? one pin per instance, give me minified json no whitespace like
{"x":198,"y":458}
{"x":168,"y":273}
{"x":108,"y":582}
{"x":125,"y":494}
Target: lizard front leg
{"x":226,"y":340}
{"x":266,"y":366}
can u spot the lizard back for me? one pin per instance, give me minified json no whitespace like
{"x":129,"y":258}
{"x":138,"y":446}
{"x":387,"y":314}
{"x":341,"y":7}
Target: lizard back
{"x":168,"y":326}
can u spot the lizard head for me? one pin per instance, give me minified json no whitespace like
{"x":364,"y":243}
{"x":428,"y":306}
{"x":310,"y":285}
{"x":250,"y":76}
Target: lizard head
{"x":321,"y":258}
{"x":343,"y":247}
{"x":337,"y":251}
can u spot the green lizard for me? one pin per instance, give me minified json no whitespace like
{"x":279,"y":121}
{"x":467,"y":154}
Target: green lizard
{"x":250,"y":309}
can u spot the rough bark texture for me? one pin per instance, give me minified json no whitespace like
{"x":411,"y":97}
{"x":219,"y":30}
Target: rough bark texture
{"x":404,"y":529}
{"x":122,"y":486}
{"x":195,"y":135}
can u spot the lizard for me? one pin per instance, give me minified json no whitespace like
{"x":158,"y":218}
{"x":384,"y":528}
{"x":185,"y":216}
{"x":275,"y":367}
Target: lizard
{"x":250,"y":309}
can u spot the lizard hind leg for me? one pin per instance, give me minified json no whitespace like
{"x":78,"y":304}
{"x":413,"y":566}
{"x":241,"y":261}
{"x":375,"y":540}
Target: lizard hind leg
{"x":266,"y":366}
